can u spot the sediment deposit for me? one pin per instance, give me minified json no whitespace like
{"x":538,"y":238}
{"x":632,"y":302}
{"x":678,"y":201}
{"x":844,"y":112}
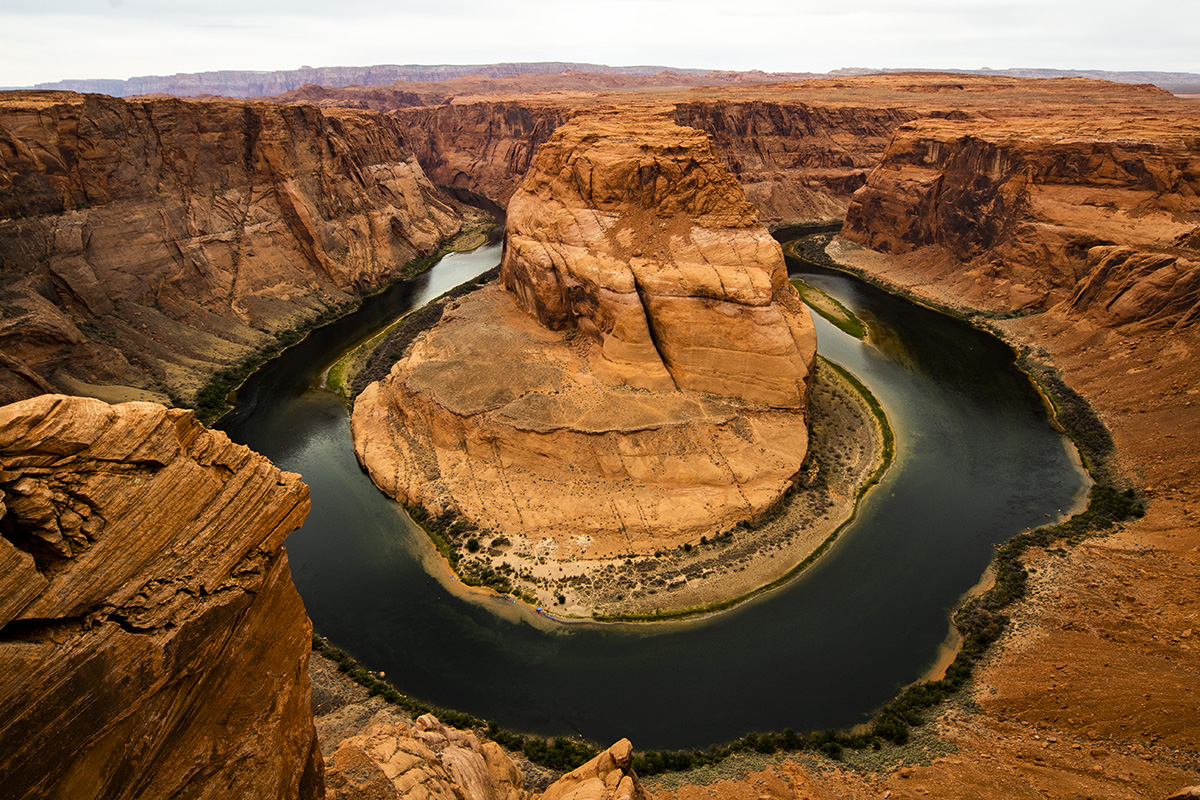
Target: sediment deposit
{"x":147,"y":245}
{"x":640,"y":381}
{"x":151,"y":641}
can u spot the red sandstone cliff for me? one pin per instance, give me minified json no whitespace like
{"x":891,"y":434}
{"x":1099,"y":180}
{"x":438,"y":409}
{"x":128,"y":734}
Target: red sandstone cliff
{"x":796,"y":161}
{"x":152,"y":644}
{"x":486,"y":147}
{"x":151,"y":243}
{"x":1104,"y":218}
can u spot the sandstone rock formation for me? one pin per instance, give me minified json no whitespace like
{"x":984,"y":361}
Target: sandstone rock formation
{"x":635,"y":235}
{"x":642,"y":382}
{"x":149,"y":244}
{"x":608,"y":776}
{"x":424,"y":760}
{"x":1101,"y":216}
{"x":152,"y":643}
{"x":796,"y":160}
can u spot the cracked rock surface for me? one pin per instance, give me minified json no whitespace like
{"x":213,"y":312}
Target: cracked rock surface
{"x":152,"y":643}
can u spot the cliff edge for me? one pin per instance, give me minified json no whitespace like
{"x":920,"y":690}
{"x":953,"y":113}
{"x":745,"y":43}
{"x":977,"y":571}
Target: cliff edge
{"x":152,"y":643}
{"x":146,"y":245}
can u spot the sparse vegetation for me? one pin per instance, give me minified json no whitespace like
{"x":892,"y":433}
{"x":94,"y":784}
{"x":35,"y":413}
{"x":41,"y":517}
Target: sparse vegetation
{"x":831,"y":309}
{"x":212,"y":400}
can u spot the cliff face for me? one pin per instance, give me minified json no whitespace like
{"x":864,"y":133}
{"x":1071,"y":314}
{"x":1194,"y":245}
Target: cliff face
{"x":152,"y":643}
{"x":486,"y":147}
{"x":796,"y":161}
{"x":633,"y":233}
{"x":1019,"y":216}
{"x":643,"y":381}
{"x":149,"y":244}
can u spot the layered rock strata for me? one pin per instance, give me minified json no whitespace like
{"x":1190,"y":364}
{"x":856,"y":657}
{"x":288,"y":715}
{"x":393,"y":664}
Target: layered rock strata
{"x":641,"y":380}
{"x":797,"y":161}
{"x":1101,"y":217}
{"x":152,"y":643}
{"x":149,"y":244}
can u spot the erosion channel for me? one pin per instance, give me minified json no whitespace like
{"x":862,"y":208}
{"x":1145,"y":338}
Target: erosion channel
{"x":977,"y":461}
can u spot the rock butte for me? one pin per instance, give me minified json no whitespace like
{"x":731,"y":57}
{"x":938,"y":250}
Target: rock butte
{"x":640,"y":380}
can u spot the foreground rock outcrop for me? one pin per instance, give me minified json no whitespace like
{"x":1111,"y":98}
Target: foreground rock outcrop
{"x":394,"y":759}
{"x":149,"y":244}
{"x":608,"y":776}
{"x":152,"y":643}
{"x":640,"y":381}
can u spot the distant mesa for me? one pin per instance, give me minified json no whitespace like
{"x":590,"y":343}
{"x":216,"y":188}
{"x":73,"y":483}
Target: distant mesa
{"x":640,"y":378}
{"x":260,"y":83}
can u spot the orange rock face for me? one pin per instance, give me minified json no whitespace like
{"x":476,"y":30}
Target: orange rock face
{"x":150,"y":244}
{"x":635,"y":235}
{"x":608,"y":776}
{"x":1019,"y":215}
{"x":396,"y":761}
{"x":797,"y":160}
{"x":642,"y":381}
{"x":153,"y":642}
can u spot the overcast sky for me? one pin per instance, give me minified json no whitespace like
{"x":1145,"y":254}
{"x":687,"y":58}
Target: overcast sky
{"x":48,"y":40}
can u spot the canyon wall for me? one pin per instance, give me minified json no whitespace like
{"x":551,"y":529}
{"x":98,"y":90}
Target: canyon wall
{"x":149,"y":244}
{"x":152,"y":644}
{"x":1016,"y":216}
{"x":796,"y":161}
{"x":486,"y":146}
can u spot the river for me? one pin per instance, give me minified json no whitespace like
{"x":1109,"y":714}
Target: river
{"x":977,"y":462}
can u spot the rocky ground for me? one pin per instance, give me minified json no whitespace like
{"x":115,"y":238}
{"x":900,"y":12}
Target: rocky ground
{"x":845,"y":451}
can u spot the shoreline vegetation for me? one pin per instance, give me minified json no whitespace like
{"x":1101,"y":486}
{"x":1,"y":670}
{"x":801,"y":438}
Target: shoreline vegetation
{"x":978,"y":622}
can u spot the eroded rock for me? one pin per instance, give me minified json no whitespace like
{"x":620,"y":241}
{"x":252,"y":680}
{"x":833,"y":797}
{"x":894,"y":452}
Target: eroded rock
{"x":151,"y":243}
{"x":642,"y":381}
{"x":152,"y":642}
{"x":1027,"y":214}
{"x":608,"y":776}
{"x":424,"y":760}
